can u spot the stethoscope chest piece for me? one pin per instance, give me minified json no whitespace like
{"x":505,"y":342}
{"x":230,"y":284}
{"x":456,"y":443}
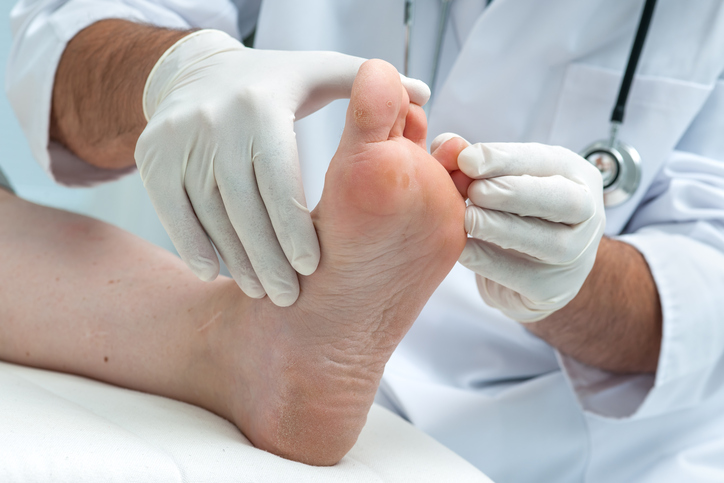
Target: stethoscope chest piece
{"x":620,"y":167}
{"x":618,"y":162}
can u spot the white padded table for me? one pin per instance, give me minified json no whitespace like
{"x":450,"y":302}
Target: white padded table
{"x":62,"y":428}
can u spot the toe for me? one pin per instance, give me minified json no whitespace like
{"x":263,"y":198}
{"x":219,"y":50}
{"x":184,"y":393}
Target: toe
{"x":445,"y":149}
{"x":416,"y":126}
{"x":378,"y":105}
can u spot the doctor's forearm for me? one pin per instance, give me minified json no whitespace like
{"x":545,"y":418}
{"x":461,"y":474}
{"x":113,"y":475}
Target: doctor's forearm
{"x":97,"y":110}
{"x":615,"y":321}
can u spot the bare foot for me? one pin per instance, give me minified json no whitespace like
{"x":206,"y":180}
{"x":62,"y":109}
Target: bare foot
{"x":390,"y":224}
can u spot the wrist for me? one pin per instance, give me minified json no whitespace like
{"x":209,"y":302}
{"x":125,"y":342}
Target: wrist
{"x":97,"y":108}
{"x":183,"y":54}
{"x":614,"y":323}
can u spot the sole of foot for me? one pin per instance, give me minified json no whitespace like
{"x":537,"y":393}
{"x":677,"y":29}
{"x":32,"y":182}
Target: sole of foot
{"x":391,"y":226}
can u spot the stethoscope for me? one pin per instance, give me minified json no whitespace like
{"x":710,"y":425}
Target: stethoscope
{"x":618,"y":162}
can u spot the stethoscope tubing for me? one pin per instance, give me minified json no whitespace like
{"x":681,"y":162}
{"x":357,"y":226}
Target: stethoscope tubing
{"x":628,"y":162}
{"x":633,"y":60}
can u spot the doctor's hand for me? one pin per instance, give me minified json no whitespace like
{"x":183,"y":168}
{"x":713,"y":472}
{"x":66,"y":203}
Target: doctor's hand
{"x":535,"y":218}
{"x":219,"y":160}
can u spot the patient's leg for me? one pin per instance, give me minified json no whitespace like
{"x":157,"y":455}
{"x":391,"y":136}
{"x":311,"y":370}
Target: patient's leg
{"x":80,"y":296}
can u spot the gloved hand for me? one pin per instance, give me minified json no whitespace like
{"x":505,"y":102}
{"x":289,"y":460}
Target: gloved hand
{"x":536,"y":218}
{"x":219,"y":156}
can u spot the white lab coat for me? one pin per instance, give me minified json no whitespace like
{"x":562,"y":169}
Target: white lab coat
{"x":522,"y":70}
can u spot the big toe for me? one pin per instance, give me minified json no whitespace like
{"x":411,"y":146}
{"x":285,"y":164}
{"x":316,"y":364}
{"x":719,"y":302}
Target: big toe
{"x":378,"y":104}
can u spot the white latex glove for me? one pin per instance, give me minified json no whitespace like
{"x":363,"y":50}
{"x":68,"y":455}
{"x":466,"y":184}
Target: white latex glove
{"x":536,"y":217}
{"x":219,"y":155}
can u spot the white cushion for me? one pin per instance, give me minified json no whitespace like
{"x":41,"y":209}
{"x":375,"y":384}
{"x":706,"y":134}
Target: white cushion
{"x":63,"y":428}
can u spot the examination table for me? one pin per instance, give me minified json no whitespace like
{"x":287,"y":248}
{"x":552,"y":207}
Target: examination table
{"x":61,"y":428}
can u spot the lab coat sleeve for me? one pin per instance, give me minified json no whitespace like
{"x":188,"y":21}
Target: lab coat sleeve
{"x":42,"y":28}
{"x":679,"y":229}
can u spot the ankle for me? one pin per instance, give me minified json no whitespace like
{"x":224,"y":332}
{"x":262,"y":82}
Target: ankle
{"x":219,"y":340}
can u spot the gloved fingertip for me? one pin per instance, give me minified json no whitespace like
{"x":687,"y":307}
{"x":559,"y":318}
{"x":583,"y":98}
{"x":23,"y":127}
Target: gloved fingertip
{"x":284,"y":299}
{"x":467,"y":257}
{"x":418,"y":91}
{"x":204,"y":268}
{"x":283,"y":291}
{"x":529,"y":317}
{"x":254,"y":292}
{"x":470,"y":220}
{"x":422,"y":94}
{"x":306,"y":264}
{"x":442,"y":139}
{"x":471,"y":161}
{"x":251,"y":287}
